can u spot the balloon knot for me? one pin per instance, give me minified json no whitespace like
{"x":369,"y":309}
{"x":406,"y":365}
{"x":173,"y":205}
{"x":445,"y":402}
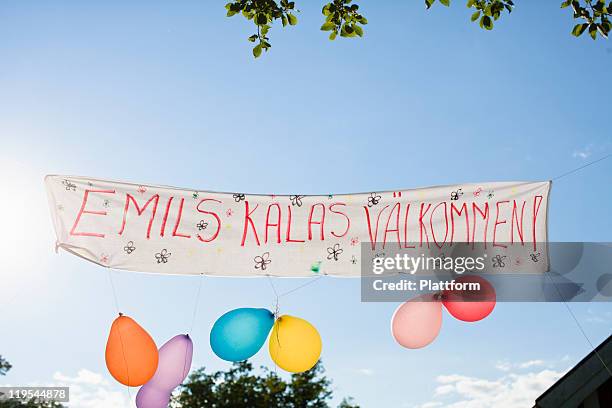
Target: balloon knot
{"x":439,"y":296}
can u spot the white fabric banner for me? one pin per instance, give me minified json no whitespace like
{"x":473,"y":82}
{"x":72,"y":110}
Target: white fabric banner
{"x":181,"y":231}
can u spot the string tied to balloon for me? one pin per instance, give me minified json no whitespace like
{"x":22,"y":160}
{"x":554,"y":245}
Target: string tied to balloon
{"x":196,"y":305}
{"x":276,"y":296}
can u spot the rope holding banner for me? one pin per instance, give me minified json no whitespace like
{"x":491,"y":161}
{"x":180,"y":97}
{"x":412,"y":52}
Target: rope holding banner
{"x":567,"y":173}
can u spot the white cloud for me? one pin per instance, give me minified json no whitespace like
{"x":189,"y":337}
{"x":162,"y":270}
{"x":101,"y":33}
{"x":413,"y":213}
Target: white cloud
{"x":507,"y":366}
{"x":92,"y":390}
{"x":431,"y":405}
{"x":365,"y":371}
{"x":583,"y":153}
{"x":531,"y":363}
{"x":83,"y":377}
{"x":503,"y":366}
{"x":508,"y":391}
{"x":602,"y":317}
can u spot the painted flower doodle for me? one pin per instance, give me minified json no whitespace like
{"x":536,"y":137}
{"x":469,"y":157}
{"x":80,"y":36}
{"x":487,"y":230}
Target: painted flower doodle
{"x":195,"y":195}
{"x":354,"y":241}
{"x":239,"y":197}
{"x":142,"y":189}
{"x":262,"y":262}
{"x":353,"y":260}
{"x":535,"y":257}
{"x":498,"y":261}
{"x":491,"y":194}
{"x":455,"y":195}
{"x":377,"y":255}
{"x":477,"y":192}
{"x":373,"y":199}
{"x":229,"y":212}
{"x":296,"y":200}
{"x":104,"y":258}
{"x":334,"y":252}
{"x":69,"y":185}
{"x":129,"y":247}
{"x":162,"y":256}
{"x":201,"y":226}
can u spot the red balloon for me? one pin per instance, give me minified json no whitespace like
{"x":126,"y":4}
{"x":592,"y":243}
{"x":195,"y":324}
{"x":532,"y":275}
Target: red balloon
{"x":470,"y":305}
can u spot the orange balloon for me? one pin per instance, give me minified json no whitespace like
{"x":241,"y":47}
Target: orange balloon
{"x":131,"y":353}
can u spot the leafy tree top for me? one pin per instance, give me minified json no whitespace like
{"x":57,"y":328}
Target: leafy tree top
{"x":344,"y":18}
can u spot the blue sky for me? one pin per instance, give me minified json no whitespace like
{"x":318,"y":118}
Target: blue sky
{"x":168,"y":93}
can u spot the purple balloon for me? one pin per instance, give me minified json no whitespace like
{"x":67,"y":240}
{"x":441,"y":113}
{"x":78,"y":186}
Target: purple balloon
{"x":151,"y":397}
{"x":174,"y":365}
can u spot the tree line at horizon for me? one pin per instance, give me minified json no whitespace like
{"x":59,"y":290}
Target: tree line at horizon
{"x":237,"y":387}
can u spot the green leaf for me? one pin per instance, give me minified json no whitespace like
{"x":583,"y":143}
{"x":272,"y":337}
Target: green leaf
{"x":579,"y":29}
{"x":428,"y":3}
{"x":475,"y":16}
{"x":257,"y":51}
{"x":253,"y":38}
{"x":470,"y":3}
{"x":261,"y":19}
{"x":328,"y":26}
{"x":333,"y":35}
{"x":325,"y":10}
{"x":445,"y":2}
{"x":292,"y":19}
{"x":358,"y":30}
{"x":602,"y":30}
{"x":593,"y":31}
{"x":566,"y":3}
{"x":486,"y":22}
{"x":284,"y":20}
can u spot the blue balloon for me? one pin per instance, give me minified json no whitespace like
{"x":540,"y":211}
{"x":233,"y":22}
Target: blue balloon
{"x":240,"y":333}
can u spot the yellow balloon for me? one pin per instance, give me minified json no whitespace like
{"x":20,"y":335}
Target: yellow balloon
{"x":295,"y":345}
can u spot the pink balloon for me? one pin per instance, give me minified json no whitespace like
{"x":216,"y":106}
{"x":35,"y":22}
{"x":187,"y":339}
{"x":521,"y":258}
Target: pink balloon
{"x":417,"y":323}
{"x":470,"y":306}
